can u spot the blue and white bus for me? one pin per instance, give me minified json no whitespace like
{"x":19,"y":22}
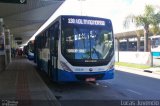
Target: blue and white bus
{"x":28,"y":50}
{"x":76,"y":48}
{"x":155,"y":46}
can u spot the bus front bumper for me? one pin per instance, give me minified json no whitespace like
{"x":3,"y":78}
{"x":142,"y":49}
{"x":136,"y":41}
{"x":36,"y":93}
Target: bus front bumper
{"x":65,"y":76}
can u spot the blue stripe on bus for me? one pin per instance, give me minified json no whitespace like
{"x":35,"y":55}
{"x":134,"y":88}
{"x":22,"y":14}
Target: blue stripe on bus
{"x":155,"y":53}
{"x":65,"y":76}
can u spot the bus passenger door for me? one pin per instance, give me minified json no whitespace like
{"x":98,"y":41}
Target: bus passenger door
{"x":54,"y":54}
{"x":52,"y":61}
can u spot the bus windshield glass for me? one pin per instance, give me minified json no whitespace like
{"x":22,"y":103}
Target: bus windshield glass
{"x":86,"y":43}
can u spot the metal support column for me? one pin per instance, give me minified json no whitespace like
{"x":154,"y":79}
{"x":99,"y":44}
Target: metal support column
{"x":117,"y":49}
{"x":138,"y":43}
{"x":127,"y":44}
{"x":8,"y":46}
{"x":2,"y":46}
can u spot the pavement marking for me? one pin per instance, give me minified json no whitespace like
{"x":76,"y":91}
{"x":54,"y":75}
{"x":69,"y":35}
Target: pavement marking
{"x":97,"y":84}
{"x":105,"y":86}
{"x":102,"y":85}
{"x":134,"y":91}
{"x":109,"y":82}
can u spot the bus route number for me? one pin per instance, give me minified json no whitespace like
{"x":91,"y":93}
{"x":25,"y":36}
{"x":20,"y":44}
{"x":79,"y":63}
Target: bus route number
{"x":71,"y":20}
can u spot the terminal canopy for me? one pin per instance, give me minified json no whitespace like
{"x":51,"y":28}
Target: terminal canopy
{"x":24,"y":20}
{"x":130,"y":34}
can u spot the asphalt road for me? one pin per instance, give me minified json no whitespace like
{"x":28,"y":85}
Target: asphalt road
{"x":125,"y":86}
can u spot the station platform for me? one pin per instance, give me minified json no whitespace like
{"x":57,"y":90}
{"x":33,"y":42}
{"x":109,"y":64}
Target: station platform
{"x":21,"y":85}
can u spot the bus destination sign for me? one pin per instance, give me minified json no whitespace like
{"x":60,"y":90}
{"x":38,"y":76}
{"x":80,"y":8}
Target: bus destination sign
{"x":86,"y":21}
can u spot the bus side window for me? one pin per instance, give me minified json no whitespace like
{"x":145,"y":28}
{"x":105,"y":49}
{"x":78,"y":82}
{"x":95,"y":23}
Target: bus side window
{"x":46,"y":40}
{"x":51,"y":41}
{"x":54,"y":35}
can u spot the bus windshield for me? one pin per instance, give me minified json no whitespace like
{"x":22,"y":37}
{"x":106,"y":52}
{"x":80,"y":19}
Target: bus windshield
{"x":86,"y":43}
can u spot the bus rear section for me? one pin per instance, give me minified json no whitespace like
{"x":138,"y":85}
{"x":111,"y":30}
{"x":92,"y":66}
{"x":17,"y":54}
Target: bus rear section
{"x":155,"y":46}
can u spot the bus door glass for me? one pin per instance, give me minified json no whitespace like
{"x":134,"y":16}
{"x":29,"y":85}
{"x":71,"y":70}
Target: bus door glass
{"x":54,"y":48}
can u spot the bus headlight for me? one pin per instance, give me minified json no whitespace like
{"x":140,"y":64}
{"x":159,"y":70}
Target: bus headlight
{"x":111,"y":65}
{"x":65,"y":67}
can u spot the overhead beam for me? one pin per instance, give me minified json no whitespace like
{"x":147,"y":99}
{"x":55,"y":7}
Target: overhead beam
{"x":14,"y":1}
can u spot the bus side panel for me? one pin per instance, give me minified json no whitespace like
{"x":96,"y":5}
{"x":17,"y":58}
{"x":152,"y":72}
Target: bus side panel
{"x":109,"y":74}
{"x":156,"y":54}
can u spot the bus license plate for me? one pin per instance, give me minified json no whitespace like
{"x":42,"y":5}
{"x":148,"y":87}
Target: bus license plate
{"x":90,"y":79}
